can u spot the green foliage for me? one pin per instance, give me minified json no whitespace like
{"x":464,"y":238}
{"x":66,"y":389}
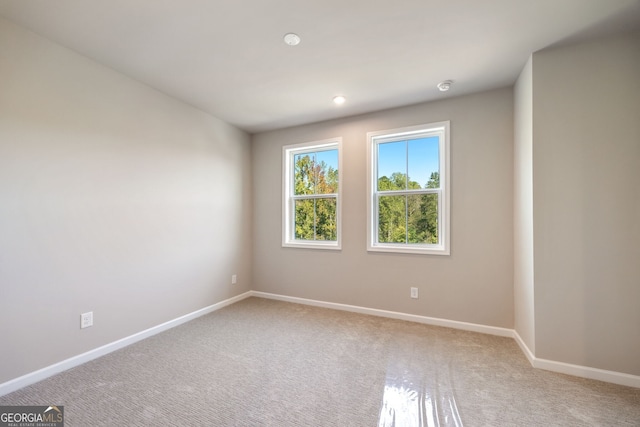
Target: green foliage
{"x":434,"y":180}
{"x":407,"y":218}
{"x":401,"y":218}
{"x":315,"y":218}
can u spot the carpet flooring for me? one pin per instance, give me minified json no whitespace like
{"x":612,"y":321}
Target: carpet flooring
{"x":261,"y":362}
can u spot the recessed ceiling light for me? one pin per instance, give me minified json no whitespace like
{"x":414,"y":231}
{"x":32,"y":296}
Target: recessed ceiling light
{"x":445,"y":85}
{"x":292,"y":39}
{"x":339,"y":100}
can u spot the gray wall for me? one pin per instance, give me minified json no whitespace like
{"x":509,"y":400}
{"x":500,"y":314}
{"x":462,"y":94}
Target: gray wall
{"x":113,"y":198}
{"x":474,"y":284}
{"x":523,"y":289}
{"x":586,"y":210}
{"x":120,"y":200}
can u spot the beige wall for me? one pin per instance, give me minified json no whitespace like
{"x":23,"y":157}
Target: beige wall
{"x":120,"y":200}
{"x":474,"y":284}
{"x":114,"y":198}
{"x":586,"y":193}
{"x":523,"y":289}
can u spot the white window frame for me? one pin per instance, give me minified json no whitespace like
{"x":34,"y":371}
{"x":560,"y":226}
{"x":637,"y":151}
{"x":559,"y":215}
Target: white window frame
{"x":288,"y":200}
{"x":440,"y":129}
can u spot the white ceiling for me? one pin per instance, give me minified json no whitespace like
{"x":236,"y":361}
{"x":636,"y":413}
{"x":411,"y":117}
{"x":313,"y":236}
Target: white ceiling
{"x":227,"y":57}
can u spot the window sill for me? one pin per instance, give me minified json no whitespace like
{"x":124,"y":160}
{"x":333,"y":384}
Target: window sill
{"x":332,"y":246}
{"x":416,"y":250}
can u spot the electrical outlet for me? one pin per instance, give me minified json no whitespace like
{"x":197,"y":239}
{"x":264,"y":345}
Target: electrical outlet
{"x":234,"y":279}
{"x":414,"y":293}
{"x":86,"y":320}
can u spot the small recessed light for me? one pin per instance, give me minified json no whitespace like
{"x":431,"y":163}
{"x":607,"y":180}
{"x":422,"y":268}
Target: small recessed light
{"x":339,"y":100}
{"x":292,"y":39}
{"x":445,"y":85}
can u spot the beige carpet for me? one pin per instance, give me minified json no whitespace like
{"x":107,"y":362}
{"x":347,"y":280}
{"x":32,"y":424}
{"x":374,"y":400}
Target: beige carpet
{"x":268,"y":363}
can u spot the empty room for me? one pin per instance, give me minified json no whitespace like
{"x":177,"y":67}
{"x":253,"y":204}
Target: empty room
{"x":320,"y":213}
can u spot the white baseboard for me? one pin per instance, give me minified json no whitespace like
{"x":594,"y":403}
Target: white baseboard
{"x":474,"y":327}
{"x":588,"y":372}
{"x":525,"y":349}
{"x":41,"y":374}
{"x":549,"y":365}
{"x":577,"y":370}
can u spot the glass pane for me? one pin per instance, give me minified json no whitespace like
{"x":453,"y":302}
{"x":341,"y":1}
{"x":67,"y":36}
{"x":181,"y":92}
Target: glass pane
{"x":423,"y":163}
{"x":392,"y":221}
{"x":303,"y":174}
{"x":304,"y":220}
{"x":326,"y":224}
{"x":327,"y":171}
{"x":422,"y":218}
{"x":392,"y":166}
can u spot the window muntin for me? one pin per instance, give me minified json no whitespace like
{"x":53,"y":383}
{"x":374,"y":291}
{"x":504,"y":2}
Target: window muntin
{"x":311,"y":202}
{"x":408,"y":190}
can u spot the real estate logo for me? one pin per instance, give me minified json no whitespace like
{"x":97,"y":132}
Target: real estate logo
{"x":32,"y":416}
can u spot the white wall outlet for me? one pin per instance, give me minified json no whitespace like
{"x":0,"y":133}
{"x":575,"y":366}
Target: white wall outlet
{"x":234,"y":279}
{"x":414,"y":293}
{"x":86,"y":320}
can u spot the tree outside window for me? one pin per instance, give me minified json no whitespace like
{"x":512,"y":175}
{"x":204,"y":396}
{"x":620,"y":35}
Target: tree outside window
{"x":312,"y":187}
{"x":409,"y":195}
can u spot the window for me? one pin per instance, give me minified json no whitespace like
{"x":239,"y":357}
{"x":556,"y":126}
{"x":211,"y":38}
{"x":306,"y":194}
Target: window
{"x":408,"y":198}
{"x":311,"y":202}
